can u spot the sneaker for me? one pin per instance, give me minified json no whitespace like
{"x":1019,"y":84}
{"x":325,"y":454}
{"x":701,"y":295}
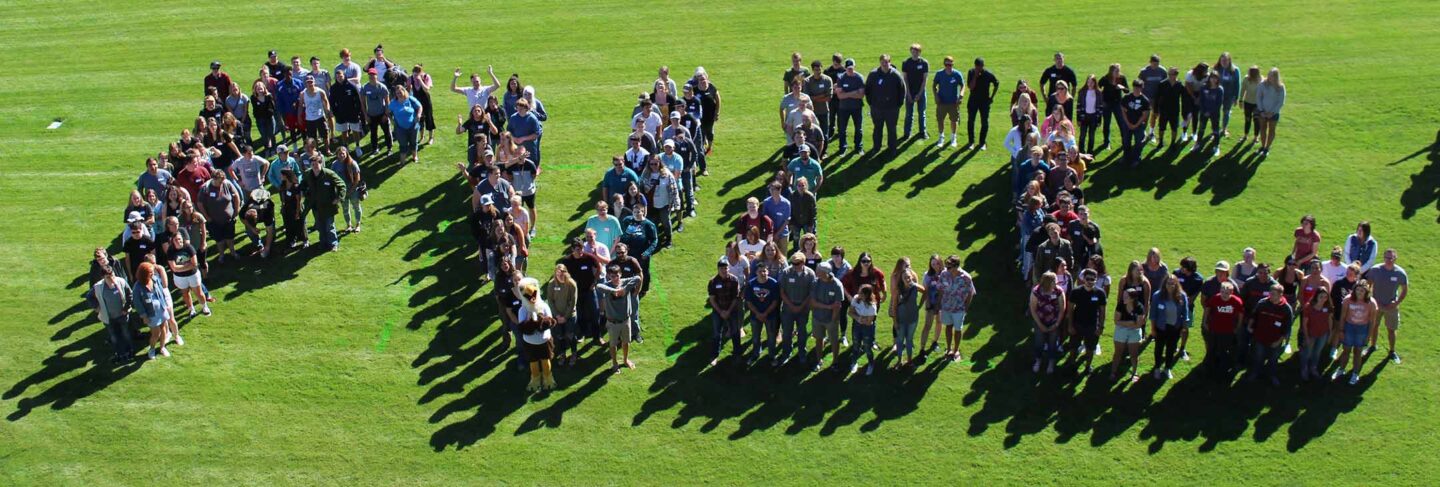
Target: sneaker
{"x":1156,"y":374}
{"x":194,"y":312}
{"x":818,"y":366}
{"x":1050,"y":369}
{"x":179,"y":341}
{"x":1215,"y":153}
{"x":983,"y":146}
{"x":1395,"y":357}
{"x":870,"y":369}
{"x":1036,"y":367}
{"x":1369,"y":350}
{"x":941,"y":144}
{"x":845,"y":342}
{"x":1098,"y":351}
{"x":165,"y":351}
{"x":1185,"y":356}
{"x":1287,"y":349}
{"x":205,"y":310}
{"x":1334,"y":354}
{"x":854,"y":368}
{"x":151,"y":354}
{"x":1354,"y":378}
{"x":1335,"y":375}
{"x":1169,"y":374}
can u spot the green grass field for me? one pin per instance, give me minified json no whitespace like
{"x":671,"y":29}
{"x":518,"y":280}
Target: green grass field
{"x":380,"y":364}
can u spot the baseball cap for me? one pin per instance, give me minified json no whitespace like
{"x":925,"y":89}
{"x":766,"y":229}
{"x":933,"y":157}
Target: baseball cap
{"x":215,"y":64}
{"x":282,"y":148}
{"x":486,"y":199}
{"x":823,"y":268}
{"x":675,"y":114}
{"x":849,"y":62}
{"x":668,"y":143}
{"x":1222,"y":266}
{"x":271,"y":53}
{"x":259,"y":194}
{"x":371,"y":71}
{"x":805,"y":148}
{"x":133,"y":217}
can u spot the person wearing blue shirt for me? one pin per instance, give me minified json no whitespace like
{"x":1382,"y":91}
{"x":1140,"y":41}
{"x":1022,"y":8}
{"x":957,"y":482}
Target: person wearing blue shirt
{"x":1230,"y":81}
{"x":949,"y":89}
{"x":762,"y":297}
{"x":915,"y":69}
{"x":287,"y":97}
{"x":617,"y":180}
{"x":1025,"y":171}
{"x":1212,"y":101}
{"x":850,"y":90}
{"x":778,"y":209}
{"x":1169,"y":314}
{"x":525,"y":129}
{"x":1191,"y":283}
{"x":405,"y":111}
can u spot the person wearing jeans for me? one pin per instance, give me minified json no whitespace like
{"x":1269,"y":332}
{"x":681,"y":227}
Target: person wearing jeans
{"x":795,"y":284}
{"x":1315,"y":324}
{"x":1134,"y":112}
{"x":724,"y":292}
{"x":1230,"y":82}
{"x":982,"y":86}
{"x":905,"y":309}
{"x":850,"y":90}
{"x":1169,"y":314}
{"x":1047,"y":303}
{"x":323,"y":192}
{"x":762,"y":297}
{"x":864,"y":309}
{"x":1269,"y":326}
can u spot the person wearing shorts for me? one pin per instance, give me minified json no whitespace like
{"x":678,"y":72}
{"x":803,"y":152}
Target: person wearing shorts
{"x":318,"y":118}
{"x":615,"y":300}
{"x":1389,"y":284}
{"x":220,"y":204}
{"x":152,"y":306}
{"x":1359,"y":314}
{"x":825,"y":303}
{"x":1129,"y":329}
{"x":949,"y":88}
{"x":956,"y":290}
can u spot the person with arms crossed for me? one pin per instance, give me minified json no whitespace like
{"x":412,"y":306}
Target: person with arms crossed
{"x":1085,"y":316}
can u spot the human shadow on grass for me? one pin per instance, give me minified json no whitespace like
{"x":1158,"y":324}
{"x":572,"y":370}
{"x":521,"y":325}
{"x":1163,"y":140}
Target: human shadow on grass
{"x":1424,"y":187}
{"x":91,"y":353}
{"x":765,"y":167}
{"x":1165,"y":170}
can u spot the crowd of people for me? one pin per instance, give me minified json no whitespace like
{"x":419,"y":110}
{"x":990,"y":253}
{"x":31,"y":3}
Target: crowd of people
{"x":802,"y":306}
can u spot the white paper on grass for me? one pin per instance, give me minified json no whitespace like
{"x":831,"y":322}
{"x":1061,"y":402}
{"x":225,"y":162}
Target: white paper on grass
{"x":54,"y":125}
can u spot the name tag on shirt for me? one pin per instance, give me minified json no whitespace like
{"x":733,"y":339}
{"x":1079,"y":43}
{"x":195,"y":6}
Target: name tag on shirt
{"x":792,"y":280}
{"x":584,"y":267}
{"x":1094,"y":299}
{"x":880,"y":81}
{"x":717,"y":286}
{"x":1161,"y":306}
{"x":327,"y":183}
{"x":1395,"y":279}
{"x":213,"y":195}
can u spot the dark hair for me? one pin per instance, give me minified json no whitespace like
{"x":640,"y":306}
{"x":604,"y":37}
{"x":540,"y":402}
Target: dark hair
{"x":837,"y":250}
{"x":1365,"y":225}
{"x":1189,"y":264}
{"x":952,"y":261}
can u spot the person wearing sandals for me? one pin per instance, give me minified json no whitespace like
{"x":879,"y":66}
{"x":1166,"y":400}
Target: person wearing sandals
{"x":956,"y":289}
{"x":561,"y":294}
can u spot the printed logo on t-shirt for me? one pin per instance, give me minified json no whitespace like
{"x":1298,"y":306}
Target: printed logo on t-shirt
{"x":1225,"y":309}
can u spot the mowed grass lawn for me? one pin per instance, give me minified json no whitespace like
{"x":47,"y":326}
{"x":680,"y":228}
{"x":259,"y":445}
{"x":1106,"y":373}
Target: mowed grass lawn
{"x":380,"y":364}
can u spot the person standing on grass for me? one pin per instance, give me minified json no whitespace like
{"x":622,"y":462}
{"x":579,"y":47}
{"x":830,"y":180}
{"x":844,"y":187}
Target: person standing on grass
{"x":1130,"y":316}
{"x":526,"y":128}
{"x":182,"y":262}
{"x":1249,"y":96}
{"x":1192,"y":284}
{"x":710,"y":104}
{"x":1085,"y":315}
{"x":618,"y":180}
{"x":1092,"y":112}
{"x":796,"y":71}
{"x":220,"y":203}
{"x":642,"y":238}
{"x":930,"y":301}
{"x":288,"y":103}
{"x":347,"y":70}
{"x":1113,"y":88}
{"x":826,"y":304}
{"x":405,"y":112}
{"x":726,"y":314}
{"x":1169,"y":97}
{"x":375,"y":98}
{"x":794,"y":100}
{"x":863,"y":274}
{"x":619,"y":313}
{"x":1334,"y":269}
{"x":323,"y":193}
{"x":1361,"y":247}
{"x":802,"y":212}
{"x":475,"y":94}
{"x":347,"y":111}
{"x":1307,"y":242}
{"x":949,"y":89}
{"x":1047,"y":303}
{"x":905,"y":309}
{"x":112,"y":296}
{"x":664,"y":196}
{"x":1211,"y":101}
{"x":1340,"y":289}
{"x":864,"y":308}
{"x":1269,"y":326}
{"x":1315,"y":327}
{"x":1134,"y":111}
{"x":561,"y":293}
{"x":1359,"y":315}
{"x":762,"y":298}
{"x":796,"y":282}
{"x":820,"y":87}
{"x":1169,"y":311}
{"x":982,"y":86}
{"x":1389,"y":285}
{"x":349,"y":170}
{"x":1150,"y":77}
{"x":1269,"y":99}
{"x":630,"y":267}
{"x":1224,"y":312}
{"x":585,"y":269}
{"x":507,"y":303}
{"x":778,"y":208}
{"x":850,"y":90}
{"x":956,"y":291}
{"x":1051,"y":78}
{"x":607,"y":228}
{"x":262,"y":108}
{"x":916,"y":70}
{"x":151,"y":305}
{"x":237,"y":104}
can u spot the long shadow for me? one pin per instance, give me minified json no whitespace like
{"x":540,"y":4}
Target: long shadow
{"x":1424,"y":187}
{"x":1228,"y":176}
{"x":91,"y":351}
{"x":768,"y":166}
{"x":942,"y":173}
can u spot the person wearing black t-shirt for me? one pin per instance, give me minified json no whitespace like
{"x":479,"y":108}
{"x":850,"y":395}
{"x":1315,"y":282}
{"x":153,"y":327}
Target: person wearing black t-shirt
{"x":795,"y":71}
{"x":1052,"y":74}
{"x":916,"y":70}
{"x":885,"y":92}
{"x":586,"y":272}
{"x":1086,"y":315}
{"x":837,"y":68}
{"x":137,"y":246}
{"x":348,"y":112}
{"x":1113,"y":88}
{"x":259,"y":210}
{"x":1134,"y":111}
{"x":982,"y":87}
{"x":1167,"y":103}
{"x":850,"y":91}
{"x":1084,"y":236}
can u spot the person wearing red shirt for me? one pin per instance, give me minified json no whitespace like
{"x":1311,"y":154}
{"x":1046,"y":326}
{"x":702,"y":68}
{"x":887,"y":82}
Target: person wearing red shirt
{"x":1315,"y":324}
{"x":863,"y":273}
{"x":193,"y":175}
{"x":753,"y":218}
{"x":1222,"y":314}
{"x":217,"y":79}
{"x":1307,"y":241}
{"x":1268,"y":327}
{"x":1064,"y":214}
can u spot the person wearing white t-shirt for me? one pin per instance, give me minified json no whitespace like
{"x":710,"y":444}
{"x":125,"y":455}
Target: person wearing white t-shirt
{"x":476,"y":94}
{"x":648,"y":115}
